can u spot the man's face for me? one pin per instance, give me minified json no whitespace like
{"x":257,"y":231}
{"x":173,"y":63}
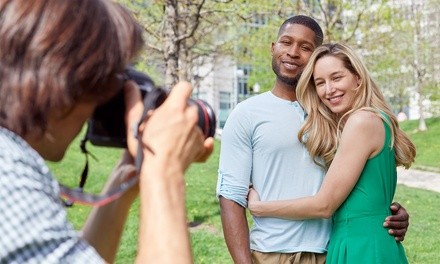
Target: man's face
{"x":291,"y":52}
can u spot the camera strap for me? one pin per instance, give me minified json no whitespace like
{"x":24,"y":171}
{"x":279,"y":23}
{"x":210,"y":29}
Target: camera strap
{"x":77,"y":195}
{"x":69,"y":196}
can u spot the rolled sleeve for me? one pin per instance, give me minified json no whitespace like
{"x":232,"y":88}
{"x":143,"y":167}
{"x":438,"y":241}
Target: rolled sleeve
{"x":235,"y":166}
{"x":232,"y":190}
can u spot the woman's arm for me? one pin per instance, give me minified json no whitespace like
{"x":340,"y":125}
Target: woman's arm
{"x":363,"y":137}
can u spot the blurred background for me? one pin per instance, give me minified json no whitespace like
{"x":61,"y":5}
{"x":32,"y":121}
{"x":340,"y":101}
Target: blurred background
{"x":223,"y":46}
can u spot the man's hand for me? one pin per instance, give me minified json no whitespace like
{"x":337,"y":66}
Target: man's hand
{"x":397,"y":223}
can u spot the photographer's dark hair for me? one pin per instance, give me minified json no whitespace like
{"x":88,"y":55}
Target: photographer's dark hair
{"x":46,"y":68}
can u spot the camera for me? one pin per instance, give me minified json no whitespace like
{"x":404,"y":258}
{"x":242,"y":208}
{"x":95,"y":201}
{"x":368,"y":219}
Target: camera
{"x":106,"y":127}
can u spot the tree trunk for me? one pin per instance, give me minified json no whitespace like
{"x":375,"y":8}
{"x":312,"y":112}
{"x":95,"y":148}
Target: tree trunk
{"x":418,"y":72}
{"x":171,"y":45}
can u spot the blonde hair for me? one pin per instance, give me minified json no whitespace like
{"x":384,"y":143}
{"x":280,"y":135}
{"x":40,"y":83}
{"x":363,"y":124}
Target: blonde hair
{"x":321,"y":131}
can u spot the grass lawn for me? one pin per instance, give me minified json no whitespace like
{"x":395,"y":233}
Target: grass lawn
{"x":421,"y":244}
{"x":427,"y":143}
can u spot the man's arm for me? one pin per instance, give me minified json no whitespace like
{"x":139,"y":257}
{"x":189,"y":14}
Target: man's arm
{"x":397,"y":223}
{"x":235,"y":230}
{"x":234,"y":177}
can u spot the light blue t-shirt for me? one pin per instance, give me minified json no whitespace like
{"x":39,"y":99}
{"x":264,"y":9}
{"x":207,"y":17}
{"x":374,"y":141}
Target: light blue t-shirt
{"x":259,"y":145}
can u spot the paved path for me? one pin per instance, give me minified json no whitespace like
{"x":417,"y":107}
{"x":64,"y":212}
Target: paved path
{"x":419,"y":179}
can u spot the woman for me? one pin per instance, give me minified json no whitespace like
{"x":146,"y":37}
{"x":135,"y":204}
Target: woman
{"x":59,"y":60}
{"x":351,"y":131}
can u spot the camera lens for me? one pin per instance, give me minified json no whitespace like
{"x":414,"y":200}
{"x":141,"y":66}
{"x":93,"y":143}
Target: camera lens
{"x":207,"y":121}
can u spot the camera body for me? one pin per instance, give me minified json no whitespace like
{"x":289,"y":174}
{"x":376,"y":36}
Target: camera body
{"x":106,"y":127}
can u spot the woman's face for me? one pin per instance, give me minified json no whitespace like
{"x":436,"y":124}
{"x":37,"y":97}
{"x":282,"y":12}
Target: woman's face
{"x":335,"y":84}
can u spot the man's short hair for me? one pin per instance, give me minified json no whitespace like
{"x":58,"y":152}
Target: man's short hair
{"x":305,"y":21}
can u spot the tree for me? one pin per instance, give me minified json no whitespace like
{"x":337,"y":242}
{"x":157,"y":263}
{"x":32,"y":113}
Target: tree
{"x":416,"y":44}
{"x":182,"y":34}
{"x":418,"y":67}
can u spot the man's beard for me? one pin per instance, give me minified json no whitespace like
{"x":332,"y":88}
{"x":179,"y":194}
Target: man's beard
{"x":290,"y":81}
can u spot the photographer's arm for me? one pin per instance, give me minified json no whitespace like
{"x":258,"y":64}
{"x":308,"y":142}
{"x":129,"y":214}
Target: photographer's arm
{"x":105,"y":224}
{"x":176,"y":144}
{"x":171,"y":142}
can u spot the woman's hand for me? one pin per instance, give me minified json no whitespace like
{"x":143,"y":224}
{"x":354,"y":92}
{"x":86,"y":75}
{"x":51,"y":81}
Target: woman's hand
{"x":253,"y":196}
{"x":253,"y":199}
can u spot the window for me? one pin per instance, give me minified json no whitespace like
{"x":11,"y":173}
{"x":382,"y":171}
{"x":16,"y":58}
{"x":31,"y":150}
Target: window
{"x":243,"y":73}
{"x":225,"y":108}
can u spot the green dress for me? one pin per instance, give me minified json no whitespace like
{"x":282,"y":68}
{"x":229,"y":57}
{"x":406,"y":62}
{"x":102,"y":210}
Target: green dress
{"x":358,"y":235}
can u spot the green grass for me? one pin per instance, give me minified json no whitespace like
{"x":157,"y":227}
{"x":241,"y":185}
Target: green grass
{"x":427,"y":143}
{"x":421,"y":243}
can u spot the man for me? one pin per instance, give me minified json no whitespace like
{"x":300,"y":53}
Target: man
{"x":260,"y":147}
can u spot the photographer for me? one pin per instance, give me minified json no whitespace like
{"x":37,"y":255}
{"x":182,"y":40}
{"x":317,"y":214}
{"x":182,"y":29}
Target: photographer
{"x":59,"y":60}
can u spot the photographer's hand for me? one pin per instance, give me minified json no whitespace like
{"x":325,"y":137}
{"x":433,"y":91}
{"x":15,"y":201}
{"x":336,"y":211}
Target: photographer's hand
{"x":172,"y":131}
{"x":134,"y":110}
{"x":133,"y":113}
{"x":173,"y":141}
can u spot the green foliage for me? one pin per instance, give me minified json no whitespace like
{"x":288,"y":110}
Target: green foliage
{"x":432,"y":92}
{"x":259,"y":55}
